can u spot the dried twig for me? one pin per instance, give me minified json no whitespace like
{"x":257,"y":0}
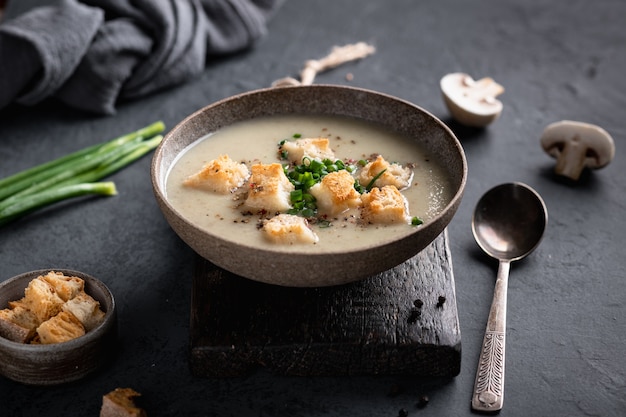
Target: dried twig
{"x":339,"y":55}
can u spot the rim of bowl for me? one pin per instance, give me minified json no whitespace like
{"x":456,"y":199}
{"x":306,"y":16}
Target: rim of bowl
{"x":70,"y":344}
{"x":158,"y":177}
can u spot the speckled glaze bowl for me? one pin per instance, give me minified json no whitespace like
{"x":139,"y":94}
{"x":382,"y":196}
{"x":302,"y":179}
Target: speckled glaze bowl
{"x":265,"y":264}
{"x":58,"y":363}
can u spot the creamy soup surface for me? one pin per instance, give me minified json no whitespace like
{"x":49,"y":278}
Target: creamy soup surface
{"x":256,"y":141}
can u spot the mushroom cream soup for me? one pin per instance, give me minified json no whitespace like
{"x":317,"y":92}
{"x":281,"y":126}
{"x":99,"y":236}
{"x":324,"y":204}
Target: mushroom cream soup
{"x":257,"y":141}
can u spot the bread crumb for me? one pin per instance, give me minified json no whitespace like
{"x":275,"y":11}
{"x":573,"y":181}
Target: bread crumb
{"x":394,"y":174}
{"x":121,"y":403}
{"x":313,"y":148}
{"x":269,"y":189}
{"x":66,"y":287}
{"x":42,"y":299}
{"x":55,"y":308}
{"x":60,"y":328}
{"x":385,"y":205}
{"x":335,"y":193}
{"x":289,"y":228}
{"x":85,"y":309}
{"x":221,"y":175}
{"x":18,"y":324}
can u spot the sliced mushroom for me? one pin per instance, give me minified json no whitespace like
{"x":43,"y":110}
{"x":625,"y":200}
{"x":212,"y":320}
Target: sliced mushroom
{"x":577,"y":145}
{"x":470,"y":102}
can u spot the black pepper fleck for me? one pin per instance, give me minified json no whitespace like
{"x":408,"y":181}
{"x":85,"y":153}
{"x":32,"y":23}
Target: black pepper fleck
{"x":418,"y":303}
{"x":414,"y":316}
{"x":440,"y":301}
{"x":403,"y":413}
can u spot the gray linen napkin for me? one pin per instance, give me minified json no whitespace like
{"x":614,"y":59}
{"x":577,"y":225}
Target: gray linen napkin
{"x":91,"y":54}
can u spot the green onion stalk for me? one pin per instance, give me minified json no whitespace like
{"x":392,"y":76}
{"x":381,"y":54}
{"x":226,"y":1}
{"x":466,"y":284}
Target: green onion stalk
{"x":75,"y":174}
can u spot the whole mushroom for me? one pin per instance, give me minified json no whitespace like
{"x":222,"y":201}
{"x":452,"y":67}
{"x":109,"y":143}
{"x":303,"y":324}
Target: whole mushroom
{"x":577,"y":145}
{"x":470,"y":102}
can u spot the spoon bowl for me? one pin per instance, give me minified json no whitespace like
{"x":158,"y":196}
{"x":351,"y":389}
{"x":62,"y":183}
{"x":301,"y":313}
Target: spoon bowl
{"x":509,"y":221}
{"x":508,"y":224}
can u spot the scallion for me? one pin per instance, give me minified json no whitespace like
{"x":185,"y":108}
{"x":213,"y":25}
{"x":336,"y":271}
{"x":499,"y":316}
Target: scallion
{"x":74,"y":174}
{"x":35,"y":201}
{"x":373,"y":181}
{"x":416,"y":221}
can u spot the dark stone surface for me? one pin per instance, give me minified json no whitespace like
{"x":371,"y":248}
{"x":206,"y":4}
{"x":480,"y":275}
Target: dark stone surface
{"x":567,"y":301}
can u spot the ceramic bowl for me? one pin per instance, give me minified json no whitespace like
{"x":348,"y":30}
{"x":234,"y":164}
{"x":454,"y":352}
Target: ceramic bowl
{"x":311,"y":270}
{"x":61,"y":362}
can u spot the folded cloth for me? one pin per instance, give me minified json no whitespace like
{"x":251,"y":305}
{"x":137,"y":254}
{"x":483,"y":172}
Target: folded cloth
{"x":91,"y":54}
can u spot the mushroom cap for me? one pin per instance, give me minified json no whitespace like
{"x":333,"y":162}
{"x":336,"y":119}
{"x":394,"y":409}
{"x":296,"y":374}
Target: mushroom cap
{"x":577,"y":145}
{"x":470,"y":102}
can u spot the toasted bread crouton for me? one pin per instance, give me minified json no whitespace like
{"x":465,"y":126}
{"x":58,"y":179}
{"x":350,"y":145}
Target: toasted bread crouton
{"x":121,"y":403}
{"x":85,"y":309}
{"x":385,"y":205}
{"x":269,"y":189}
{"x":60,"y":328}
{"x":395,"y":174}
{"x":18,"y":324}
{"x":336,"y":193}
{"x":314,"y":148}
{"x":221,"y":175}
{"x":66,"y":287}
{"x":290,"y":229}
{"x":41,"y":298}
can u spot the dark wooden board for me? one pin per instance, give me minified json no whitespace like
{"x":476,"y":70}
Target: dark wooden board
{"x":401,"y":322}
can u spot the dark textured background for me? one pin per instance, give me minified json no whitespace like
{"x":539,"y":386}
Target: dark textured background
{"x":567,"y":302}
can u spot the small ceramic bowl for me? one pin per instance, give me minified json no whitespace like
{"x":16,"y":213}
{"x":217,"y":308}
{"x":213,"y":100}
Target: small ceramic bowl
{"x":61,"y":362}
{"x":267,"y":264}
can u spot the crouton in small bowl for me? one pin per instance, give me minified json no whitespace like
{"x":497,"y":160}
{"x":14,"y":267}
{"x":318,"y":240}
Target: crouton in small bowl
{"x":309,"y":186}
{"x":56,"y":326}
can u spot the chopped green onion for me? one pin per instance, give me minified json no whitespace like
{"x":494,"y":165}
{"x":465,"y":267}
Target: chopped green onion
{"x":359,"y":187}
{"x":416,"y":221}
{"x":324,"y":224}
{"x":296,"y":195}
{"x":316,"y":165}
{"x":308,"y":212}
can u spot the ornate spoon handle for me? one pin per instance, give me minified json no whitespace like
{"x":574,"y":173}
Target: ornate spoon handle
{"x":489,"y":384}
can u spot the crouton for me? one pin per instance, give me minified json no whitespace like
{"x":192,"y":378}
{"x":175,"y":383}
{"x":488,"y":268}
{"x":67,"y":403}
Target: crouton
{"x":55,"y":308}
{"x":18,"y":324}
{"x":336,"y":193}
{"x":221,"y":175}
{"x":289,"y":228}
{"x":121,"y":403}
{"x":66,"y":287}
{"x":394,"y":174}
{"x":85,"y":309}
{"x":314,"y":148}
{"x":41,"y":298}
{"x":269,"y":189}
{"x":385,"y":205}
{"x":60,"y":328}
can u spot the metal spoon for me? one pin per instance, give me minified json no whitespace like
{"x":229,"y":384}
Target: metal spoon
{"x":508,"y":224}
